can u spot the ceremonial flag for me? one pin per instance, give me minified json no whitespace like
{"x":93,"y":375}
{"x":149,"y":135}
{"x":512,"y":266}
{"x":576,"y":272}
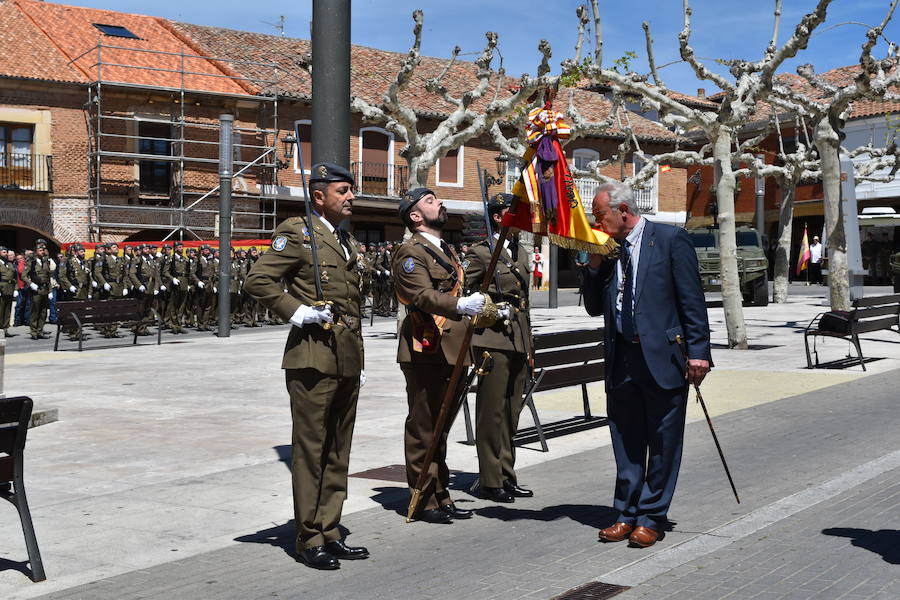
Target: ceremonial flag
{"x":549,"y":203}
{"x":803,"y":259}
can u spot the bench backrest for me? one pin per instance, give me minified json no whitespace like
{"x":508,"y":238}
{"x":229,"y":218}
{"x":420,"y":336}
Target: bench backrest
{"x":569,"y":358}
{"x":15,"y":415}
{"x":875,"y":313}
{"x":99,"y":311}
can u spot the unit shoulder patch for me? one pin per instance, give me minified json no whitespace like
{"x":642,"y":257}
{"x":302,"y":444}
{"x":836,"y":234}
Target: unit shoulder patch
{"x":408,"y":265}
{"x":279,"y":243}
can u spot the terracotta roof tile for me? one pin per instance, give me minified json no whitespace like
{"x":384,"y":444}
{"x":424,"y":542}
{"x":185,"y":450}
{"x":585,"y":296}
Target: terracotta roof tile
{"x":26,"y":52}
{"x":71,"y":29}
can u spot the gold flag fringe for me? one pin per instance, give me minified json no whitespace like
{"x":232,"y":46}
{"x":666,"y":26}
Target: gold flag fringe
{"x":608,"y":248}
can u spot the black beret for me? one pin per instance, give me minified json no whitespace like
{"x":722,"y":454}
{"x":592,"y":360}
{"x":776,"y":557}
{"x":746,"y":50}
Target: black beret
{"x":330,"y":173}
{"x":177,"y":244}
{"x":500,"y":201}
{"x":409,"y":199}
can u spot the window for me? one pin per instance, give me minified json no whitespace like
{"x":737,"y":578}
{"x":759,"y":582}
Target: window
{"x":646,"y":196}
{"x":116,"y":31}
{"x":16,"y":147}
{"x":376,"y":172}
{"x":581,"y":157}
{"x":155,"y":176}
{"x":305,"y":147}
{"x":450,"y":168}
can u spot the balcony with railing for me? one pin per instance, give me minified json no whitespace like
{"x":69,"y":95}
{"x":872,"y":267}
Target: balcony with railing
{"x":646,"y":197}
{"x":26,"y":172}
{"x":379,"y":179}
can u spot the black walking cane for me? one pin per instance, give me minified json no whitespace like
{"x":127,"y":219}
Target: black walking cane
{"x":679,"y":341}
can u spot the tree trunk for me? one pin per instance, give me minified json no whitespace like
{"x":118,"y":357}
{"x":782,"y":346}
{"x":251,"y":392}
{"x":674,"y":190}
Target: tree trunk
{"x":783,"y":250}
{"x":828,"y":145}
{"x":732,"y":299}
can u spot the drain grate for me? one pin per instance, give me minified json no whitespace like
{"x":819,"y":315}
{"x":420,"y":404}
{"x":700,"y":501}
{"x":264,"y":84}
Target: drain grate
{"x":595,"y":590}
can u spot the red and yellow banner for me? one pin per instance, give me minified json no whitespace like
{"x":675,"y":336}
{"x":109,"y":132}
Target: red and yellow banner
{"x":549,"y":203}
{"x":803,"y":259}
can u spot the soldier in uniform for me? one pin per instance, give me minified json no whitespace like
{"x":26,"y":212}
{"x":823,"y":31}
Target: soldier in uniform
{"x":323,"y":367}
{"x":364,"y":266}
{"x":111,"y":274}
{"x":391,"y":296}
{"x":509,"y":341}
{"x":190,"y":303}
{"x":204,"y":277}
{"x":38,"y":275}
{"x":383,"y":275}
{"x":235,"y":285}
{"x":75,"y":280}
{"x":8,"y":292}
{"x":143,"y":279}
{"x":175,"y":277}
{"x":429,"y":278}
{"x":251,"y":307}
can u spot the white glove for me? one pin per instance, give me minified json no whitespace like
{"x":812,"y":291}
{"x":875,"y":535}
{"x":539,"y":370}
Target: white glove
{"x":362,"y":378}
{"x":470,"y":305}
{"x":388,"y":273}
{"x":124,"y":291}
{"x":106,"y":287}
{"x":142,"y":289}
{"x":311,"y":314}
{"x":155,"y":292}
{"x":504,"y":312}
{"x":201,"y":285}
{"x":175,"y":281}
{"x":162,"y":288}
{"x":94,"y":283}
{"x":15,"y":293}
{"x":72,"y":288}
{"x":215,"y":290}
{"x":377,"y":273}
{"x":34,"y":286}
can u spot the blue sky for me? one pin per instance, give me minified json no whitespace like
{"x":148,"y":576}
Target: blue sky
{"x":722,"y":28}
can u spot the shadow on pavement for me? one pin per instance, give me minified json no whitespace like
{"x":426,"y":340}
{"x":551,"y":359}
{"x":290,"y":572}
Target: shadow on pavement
{"x":280,"y":536}
{"x":885,"y":542}
{"x":284,"y":454}
{"x":591,"y":515}
{"x":12,"y":565}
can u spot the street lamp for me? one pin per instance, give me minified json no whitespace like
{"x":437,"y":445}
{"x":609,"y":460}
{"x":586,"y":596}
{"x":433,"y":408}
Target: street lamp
{"x":288,"y":141}
{"x":489,"y":179}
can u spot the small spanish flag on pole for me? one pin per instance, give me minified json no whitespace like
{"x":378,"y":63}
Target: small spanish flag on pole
{"x":803,"y":259}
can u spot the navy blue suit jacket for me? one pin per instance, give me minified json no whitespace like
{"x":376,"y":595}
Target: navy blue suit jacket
{"x":668,"y":301}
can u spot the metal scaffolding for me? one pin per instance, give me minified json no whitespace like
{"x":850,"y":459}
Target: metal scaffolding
{"x":153,"y":154}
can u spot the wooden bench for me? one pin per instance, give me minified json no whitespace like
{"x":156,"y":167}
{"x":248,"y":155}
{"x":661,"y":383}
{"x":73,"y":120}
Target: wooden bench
{"x":78,"y":313}
{"x":15,"y":416}
{"x":875,"y":313}
{"x":561,"y":359}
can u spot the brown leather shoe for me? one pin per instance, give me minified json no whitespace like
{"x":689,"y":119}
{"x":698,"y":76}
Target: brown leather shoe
{"x":617,"y":533}
{"x":643,"y":537}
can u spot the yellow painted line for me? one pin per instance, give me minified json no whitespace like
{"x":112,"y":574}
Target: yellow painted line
{"x":724,"y":391}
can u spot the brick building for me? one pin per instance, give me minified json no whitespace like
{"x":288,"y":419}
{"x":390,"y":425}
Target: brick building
{"x":110,"y":125}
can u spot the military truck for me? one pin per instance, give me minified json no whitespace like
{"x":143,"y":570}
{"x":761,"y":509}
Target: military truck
{"x":752,"y":262}
{"x":895,"y":271}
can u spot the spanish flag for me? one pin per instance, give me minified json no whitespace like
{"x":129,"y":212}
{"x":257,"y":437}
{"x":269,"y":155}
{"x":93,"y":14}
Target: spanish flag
{"x":803,"y":259}
{"x":549,"y":203}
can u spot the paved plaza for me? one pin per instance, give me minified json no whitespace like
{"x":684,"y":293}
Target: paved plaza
{"x":165,"y":477}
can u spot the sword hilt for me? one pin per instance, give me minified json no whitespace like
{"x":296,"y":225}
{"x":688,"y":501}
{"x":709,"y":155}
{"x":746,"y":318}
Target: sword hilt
{"x":326,"y":326}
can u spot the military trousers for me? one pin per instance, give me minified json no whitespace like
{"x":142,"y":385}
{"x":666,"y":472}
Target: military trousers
{"x":323,"y":411}
{"x":38,"y":318}
{"x":425,"y":388}
{"x":206,"y":301}
{"x":175,"y":308}
{"x":499,"y":403}
{"x":6,"y":304}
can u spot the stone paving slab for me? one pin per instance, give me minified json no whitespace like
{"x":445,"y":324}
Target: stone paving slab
{"x":540,"y":547}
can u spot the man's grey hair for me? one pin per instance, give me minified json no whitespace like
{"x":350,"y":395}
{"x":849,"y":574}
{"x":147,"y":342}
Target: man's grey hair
{"x":619,"y":193}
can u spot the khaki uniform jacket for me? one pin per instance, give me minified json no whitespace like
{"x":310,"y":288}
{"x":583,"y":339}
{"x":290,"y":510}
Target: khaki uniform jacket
{"x":427,"y":288}
{"x":205,"y":272}
{"x":114,"y":271}
{"x":178,"y":268}
{"x":7,"y":278}
{"x":237,"y":276}
{"x":39,"y":271}
{"x":514,"y":283}
{"x":335,"y":352}
{"x":75,"y":272}
{"x":144,"y":271}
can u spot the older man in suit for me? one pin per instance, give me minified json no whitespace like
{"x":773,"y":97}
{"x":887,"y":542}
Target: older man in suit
{"x":657,"y":343}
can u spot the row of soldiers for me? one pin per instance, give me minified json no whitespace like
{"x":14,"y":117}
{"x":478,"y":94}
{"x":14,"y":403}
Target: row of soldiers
{"x":180,"y":286}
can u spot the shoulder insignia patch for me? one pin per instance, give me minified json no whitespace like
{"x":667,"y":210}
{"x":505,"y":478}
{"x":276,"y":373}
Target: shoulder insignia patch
{"x":465,"y":264}
{"x":305,"y":231}
{"x":279,"y":243}
{"x":408,"y":265}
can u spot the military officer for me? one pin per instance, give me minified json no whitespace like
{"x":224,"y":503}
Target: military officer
{"x":111,"y":275}
{"x":176,"y":278}
{"x":509,"y":341}
{"x":391,"y":303}
{"x":143,"y":276}
{"x":323,"y":366}
{"x":383,"y":284}
{"x":37,"y":275}
{"x":8,"y":279}
{"x":75,"y":275}
{"x":429,"y":279}
{"x":190,"y":303}
{"x":204,"y":278}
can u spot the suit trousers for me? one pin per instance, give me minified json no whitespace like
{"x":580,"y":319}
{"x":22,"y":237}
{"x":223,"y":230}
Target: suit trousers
{"x":498,"y":405}
{"x":647,"y":430}
{"x":40,"y":303}
{"x":323,"y":411}
{"x":425,"y":388}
